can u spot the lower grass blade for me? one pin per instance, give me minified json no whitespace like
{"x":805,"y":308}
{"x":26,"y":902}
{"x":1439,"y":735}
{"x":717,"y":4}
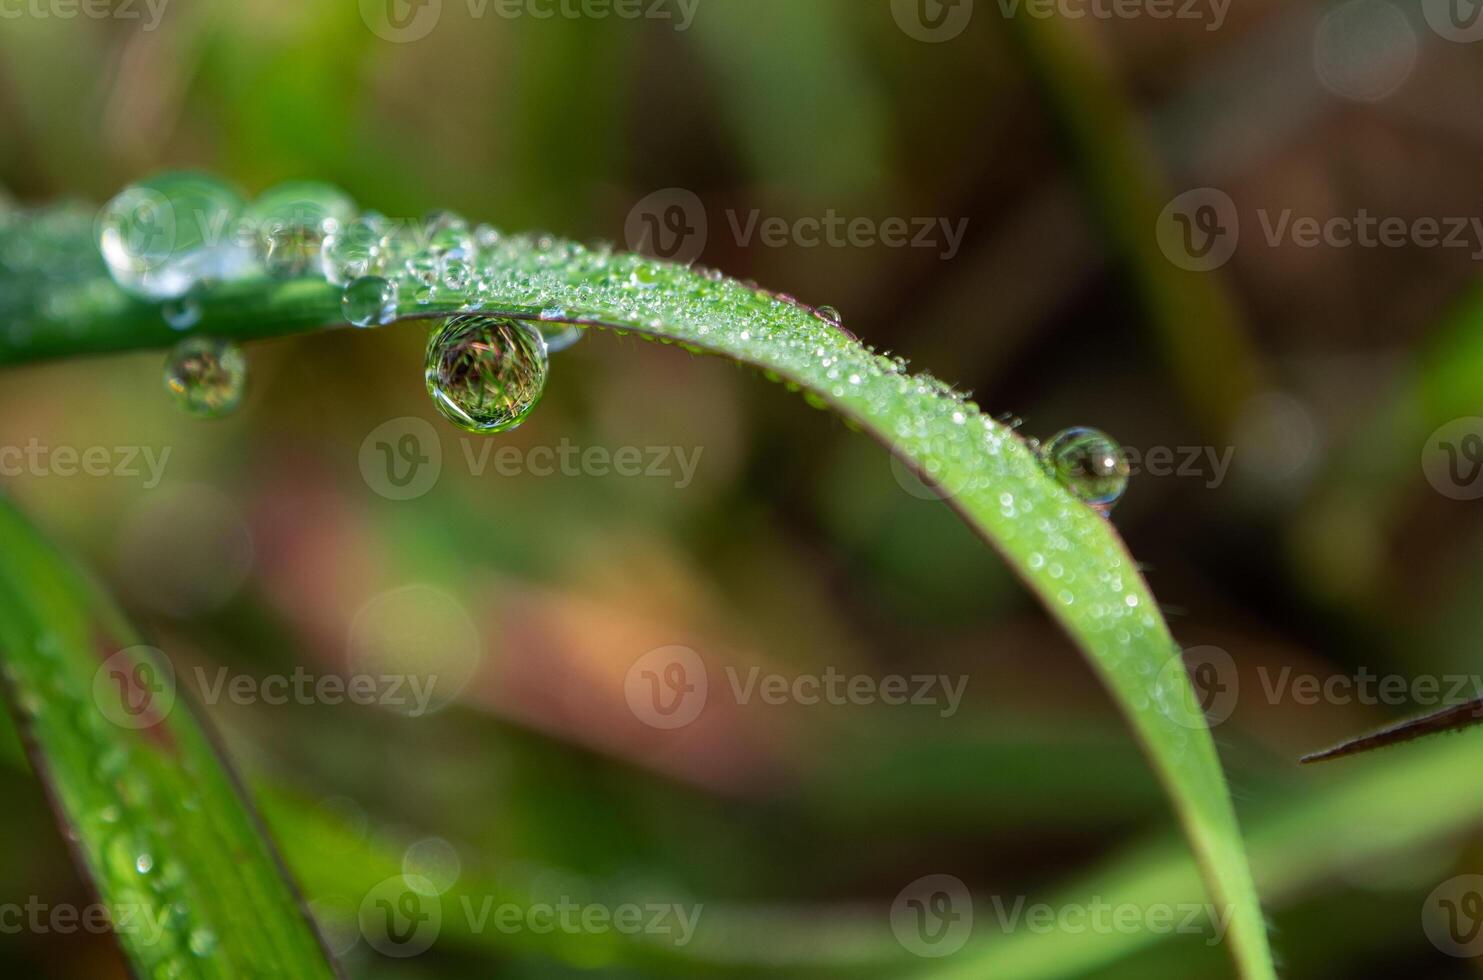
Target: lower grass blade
{"x":154,"y":816}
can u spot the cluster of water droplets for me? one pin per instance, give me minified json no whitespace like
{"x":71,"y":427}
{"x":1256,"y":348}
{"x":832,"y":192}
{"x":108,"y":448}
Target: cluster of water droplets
{"x":119,"y":822}
{"x":172,"y":238}
{"x":503,"y":303}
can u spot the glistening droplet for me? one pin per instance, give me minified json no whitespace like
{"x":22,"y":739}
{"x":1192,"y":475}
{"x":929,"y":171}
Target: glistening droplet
{"x":370,"y":301}
{"x":560,"y":336}
{"x":162,"y":236}
{"x":485,"y":374}
{"x":292,"y":221}
{"x":206,"y":376}
{"x":1089,"y":463}
{"x":353,"y":250}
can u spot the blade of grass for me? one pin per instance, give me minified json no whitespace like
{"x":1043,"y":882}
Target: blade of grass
{"x":1294,"y":847}
{"x":1065,"y":552}
{"x":155,"y":818}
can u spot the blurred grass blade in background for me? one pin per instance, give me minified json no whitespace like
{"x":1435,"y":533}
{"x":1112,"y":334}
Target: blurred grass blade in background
{"x":154,"y":816}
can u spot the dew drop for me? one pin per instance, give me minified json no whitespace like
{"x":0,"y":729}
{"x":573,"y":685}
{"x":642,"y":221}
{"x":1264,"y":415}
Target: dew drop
{"x":449,"y":234}
{"x":181,"y":313}
{"x":353,"y":251}
{"x":162,"y":236}
{"x":370,"y":301}
{"x":830,"y":316}
{"x":485,"y":374}
{"x":206,"y":376}
{"x":560,"y":336}
{"x":292,"y":221}
{"x":203,"y":942}
{"x":1089,"y":463}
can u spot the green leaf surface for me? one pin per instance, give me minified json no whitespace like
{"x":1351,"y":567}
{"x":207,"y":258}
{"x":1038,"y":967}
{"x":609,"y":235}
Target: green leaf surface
{"x":1068,"y":554}
{"x":153,"y":814}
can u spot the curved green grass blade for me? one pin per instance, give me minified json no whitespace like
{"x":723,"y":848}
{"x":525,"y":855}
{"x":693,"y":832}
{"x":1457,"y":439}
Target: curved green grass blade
{"x":1067,"y":553}
{"x":152,"y":813}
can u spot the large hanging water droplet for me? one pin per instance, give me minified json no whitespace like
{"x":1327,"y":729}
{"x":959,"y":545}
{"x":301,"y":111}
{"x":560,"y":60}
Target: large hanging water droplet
{"x":292,"y":221}
{"x":162,"y":236}
{"x":206,"y":376}
{"x":485,"y":374}
{"x":1089,"y":463}
{"x":370,"y":301}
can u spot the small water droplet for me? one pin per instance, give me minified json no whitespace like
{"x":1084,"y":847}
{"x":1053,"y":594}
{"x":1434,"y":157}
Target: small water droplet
{"x":353,"y":251}
{"x":1089,"y":463}
{"x":206,"y":376}
{"x":485,"y":374}
{"x":144,"y":863}
{"x":370,"y":301}
{"x":830,"y":316}
{"x":182,"y":313}
{"x":559,"y":337}
{"x":203,"y":942}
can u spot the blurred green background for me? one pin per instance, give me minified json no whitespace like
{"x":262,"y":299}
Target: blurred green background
{"x":1297,"y":389}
